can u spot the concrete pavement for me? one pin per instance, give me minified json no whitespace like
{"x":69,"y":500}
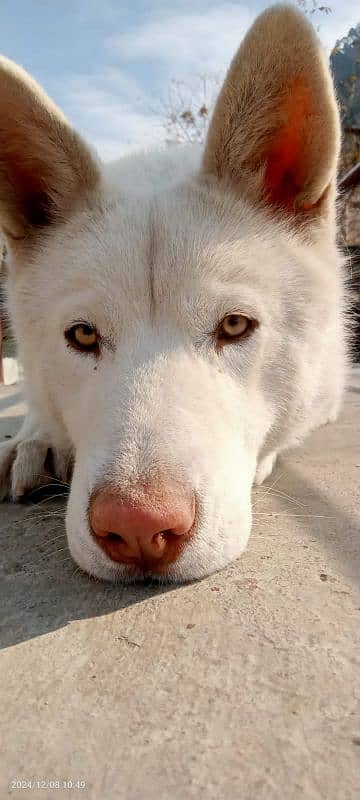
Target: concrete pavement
{"x":244,"y":685}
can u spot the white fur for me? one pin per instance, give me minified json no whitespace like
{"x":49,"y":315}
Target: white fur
{"x":161,"y":398}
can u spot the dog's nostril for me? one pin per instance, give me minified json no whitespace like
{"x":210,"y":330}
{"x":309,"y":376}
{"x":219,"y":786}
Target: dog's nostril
{"x":169,"y":536}
{"x":115,"y":537}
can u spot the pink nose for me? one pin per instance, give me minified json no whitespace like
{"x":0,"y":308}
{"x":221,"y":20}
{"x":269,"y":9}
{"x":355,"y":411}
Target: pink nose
{"x":147,"y":530}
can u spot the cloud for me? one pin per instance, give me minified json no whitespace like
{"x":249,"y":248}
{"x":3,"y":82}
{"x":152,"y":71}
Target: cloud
{"x":116,"y":105}
{"x":185,"y":42}
{"x":111,"y":110}
{"x":180,"y":41}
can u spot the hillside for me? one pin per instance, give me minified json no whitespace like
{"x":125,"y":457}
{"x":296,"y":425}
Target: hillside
{"x":345,"y":64}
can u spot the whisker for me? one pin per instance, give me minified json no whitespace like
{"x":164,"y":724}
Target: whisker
{"x":28,"y":525}
{"x":56,"y":496}
{"x":285,"y":514}
{"x":53,"y":569}
{"x":278,"y":493}
{"x":267,"y":490}
{"x":49,"y":553}
{"x":76,"y":571}
{"x":55,"y":539}
{"x":63,"y":484}
{"x":42,"y":515}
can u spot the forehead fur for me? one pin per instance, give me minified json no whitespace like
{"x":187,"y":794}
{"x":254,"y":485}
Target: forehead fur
{"x":189,"y":242}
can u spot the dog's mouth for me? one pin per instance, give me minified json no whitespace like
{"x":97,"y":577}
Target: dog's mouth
{"x":147,"y":575}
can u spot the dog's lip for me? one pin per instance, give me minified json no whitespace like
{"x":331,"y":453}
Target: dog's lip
{"x":146,"y":569}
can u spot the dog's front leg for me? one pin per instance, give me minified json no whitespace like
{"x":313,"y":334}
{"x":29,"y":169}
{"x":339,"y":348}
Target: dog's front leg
{"x":25,"y":463}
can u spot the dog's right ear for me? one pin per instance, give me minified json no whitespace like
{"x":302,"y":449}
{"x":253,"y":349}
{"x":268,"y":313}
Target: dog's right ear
{"x":275,"y":133}
{"x":46,"y":170}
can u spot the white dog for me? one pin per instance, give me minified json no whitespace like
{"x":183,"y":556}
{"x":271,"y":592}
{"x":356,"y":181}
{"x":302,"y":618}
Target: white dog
{"x":179,"y":315}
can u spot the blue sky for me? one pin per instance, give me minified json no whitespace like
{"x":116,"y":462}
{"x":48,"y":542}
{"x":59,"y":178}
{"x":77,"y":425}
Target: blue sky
{"x":109,"y":64}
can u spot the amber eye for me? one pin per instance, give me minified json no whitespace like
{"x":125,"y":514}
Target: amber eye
{"x":234,"y":327}
{"x":83,"y":337}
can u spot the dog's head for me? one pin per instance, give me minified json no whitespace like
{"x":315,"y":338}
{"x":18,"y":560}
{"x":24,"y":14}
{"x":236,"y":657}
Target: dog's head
{"x":175,"y":331}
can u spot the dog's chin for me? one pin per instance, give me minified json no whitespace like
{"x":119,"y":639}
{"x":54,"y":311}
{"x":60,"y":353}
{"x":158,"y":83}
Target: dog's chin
{"x":93,"y":561}
{"x":111,"y":572}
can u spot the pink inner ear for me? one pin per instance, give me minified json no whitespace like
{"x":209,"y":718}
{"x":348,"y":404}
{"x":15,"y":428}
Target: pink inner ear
{"x":287,"y":159}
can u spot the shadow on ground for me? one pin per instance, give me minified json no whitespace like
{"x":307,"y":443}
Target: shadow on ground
{"x":10,"y":400}
{"x":43,"y":590}
{"x":41,"y":587}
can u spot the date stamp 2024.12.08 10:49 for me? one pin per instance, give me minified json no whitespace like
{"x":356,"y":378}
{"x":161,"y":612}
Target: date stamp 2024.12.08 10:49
{"x":52,"y":784}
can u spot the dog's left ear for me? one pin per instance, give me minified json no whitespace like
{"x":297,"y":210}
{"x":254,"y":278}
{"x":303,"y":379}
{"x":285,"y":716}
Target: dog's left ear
{"x":46,"y":170}
{"x":275,"y":132}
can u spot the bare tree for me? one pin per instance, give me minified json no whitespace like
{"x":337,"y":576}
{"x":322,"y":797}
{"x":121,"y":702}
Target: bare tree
{"x":187,"y":108}
{"x":312,"y":7}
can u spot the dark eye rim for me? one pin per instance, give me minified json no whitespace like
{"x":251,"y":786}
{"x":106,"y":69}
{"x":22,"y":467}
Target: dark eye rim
{"x":72,"y":343}
{"x":223,"y":338}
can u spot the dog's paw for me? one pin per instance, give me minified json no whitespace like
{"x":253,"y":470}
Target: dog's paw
{"x":265,"y":468}
{"x":7,"y":455}
{"x":27,"y":464}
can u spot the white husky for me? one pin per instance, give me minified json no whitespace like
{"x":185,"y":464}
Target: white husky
{"x":179,"y":315}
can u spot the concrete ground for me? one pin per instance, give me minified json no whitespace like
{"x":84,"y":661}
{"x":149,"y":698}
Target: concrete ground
{"x":244,"y":685}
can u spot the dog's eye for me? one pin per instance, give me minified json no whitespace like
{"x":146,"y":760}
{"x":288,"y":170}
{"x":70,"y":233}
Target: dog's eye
{"x":83,"y":337}
{"x":233,"y":327}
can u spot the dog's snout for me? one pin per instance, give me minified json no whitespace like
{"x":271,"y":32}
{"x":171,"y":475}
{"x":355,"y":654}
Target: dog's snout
{"x":147,"y":530}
